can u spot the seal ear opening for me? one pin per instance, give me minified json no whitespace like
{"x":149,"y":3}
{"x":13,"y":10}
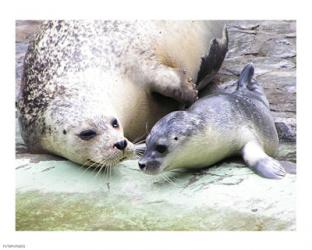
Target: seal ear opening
{"x":246,"y":76}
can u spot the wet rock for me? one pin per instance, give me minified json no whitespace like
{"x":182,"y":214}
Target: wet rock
{"x":285,"y":132}
{"x":228,"y":196}
{"x":25,"y":29}
{"x":276,"y":47}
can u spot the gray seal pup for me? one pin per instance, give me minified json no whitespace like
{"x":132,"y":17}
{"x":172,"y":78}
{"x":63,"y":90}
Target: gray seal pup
{"x":89,"y":88}
{"x":217,"y":126}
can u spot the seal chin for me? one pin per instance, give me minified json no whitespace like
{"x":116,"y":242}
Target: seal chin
{"x":151,"y":171}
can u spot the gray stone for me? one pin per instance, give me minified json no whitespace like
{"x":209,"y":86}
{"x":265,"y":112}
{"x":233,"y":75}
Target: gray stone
{"x":285,"y":132}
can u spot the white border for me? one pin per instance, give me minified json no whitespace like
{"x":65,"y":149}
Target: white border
{"x":235,"y":9}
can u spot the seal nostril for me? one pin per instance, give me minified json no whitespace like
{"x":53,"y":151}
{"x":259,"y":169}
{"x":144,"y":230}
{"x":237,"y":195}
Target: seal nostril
{"x":141,"y":165}
{"x":121,"y":145}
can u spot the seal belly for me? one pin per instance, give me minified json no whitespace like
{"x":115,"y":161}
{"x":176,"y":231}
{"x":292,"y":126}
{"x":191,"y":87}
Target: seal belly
{"x":203,"y":149}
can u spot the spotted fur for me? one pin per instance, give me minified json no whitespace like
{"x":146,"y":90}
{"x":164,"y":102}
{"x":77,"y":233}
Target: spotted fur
{"x":81,"y":74}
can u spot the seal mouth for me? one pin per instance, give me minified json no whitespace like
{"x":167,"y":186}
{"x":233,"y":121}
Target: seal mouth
{"x":107,"y":162}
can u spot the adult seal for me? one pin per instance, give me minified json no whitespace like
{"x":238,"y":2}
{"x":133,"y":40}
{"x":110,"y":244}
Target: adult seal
{"x":215,"y":127}
{"x":89,"y":88}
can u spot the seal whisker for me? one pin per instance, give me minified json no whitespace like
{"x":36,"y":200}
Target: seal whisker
{"x":110,"y":173}
{"x":101,"y":167}
{"x":90,"y":166}
{"x":97,"y":170}
{"x":84,"y":164}
{"x":167,"y":178}
{"x":97,"y":164}
{"x":106,"y":173}
{"x":138,"y":142}
{"x":146,"y":127}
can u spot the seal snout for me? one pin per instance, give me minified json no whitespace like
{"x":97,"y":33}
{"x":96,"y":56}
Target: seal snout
{"x":121,"y":145}
{"x":149,"y":166}
{"x":142,"y":165}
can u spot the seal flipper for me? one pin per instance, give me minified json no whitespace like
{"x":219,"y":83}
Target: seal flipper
{"x":245,"y":77}
{"x":262,"y":164}
{"x":290,"y":167}
{"x":212,"y":62}
{"x":269,"y":168}
{"x":249,"y":86}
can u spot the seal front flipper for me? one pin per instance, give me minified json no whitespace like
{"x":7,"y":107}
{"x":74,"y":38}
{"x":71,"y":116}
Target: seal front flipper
{"x":174,"y":83}
{"x":212,"y":62}
{"x":262,"y":164}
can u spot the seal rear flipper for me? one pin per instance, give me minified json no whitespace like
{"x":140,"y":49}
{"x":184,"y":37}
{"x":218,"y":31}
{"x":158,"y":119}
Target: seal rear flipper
{"x":262,"y":164}
{"x":249,"y":86}
{"x":212,"y":62}
{"x":269,"y":168}
{"x":245,"y":78}
{"x":290,"y":167}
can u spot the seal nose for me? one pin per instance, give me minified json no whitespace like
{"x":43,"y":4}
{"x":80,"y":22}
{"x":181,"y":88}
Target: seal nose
{"x":121,"y":145}
{"x":141,"y":165}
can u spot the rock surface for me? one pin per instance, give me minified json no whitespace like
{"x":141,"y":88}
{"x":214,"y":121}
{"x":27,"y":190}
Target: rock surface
{"x":55,"y":194}
{"x":58,"y":195}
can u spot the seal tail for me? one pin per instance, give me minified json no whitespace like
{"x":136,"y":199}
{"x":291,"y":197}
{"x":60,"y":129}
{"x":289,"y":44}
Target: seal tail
{"x":245,"y":78}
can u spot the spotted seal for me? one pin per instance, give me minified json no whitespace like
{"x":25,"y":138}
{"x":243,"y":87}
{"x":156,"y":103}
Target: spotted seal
{"x":215,"y":127}
{"x":89,"y":88}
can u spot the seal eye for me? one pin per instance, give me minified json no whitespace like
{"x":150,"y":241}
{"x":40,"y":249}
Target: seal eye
{"x":161,"y":148}
{"x":87,"y":134}
{"x":115,"y":123}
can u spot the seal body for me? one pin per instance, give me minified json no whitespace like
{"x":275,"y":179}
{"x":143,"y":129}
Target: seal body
{"x":91,"y":87}
{"x":215,"y":127}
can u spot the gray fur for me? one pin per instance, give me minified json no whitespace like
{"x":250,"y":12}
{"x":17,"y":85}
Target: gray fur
{"x":215,"y":127}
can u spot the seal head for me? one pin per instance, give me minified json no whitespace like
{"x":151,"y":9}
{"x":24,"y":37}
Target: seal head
{"x":167,"y":140}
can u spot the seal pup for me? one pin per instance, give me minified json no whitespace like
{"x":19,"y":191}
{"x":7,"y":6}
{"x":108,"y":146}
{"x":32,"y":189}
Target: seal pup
{"x":91,"y":87}
{"x":215,"y":127}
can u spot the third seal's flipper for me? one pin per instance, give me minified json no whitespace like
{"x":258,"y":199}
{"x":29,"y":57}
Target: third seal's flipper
{"x":212,"y":62}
